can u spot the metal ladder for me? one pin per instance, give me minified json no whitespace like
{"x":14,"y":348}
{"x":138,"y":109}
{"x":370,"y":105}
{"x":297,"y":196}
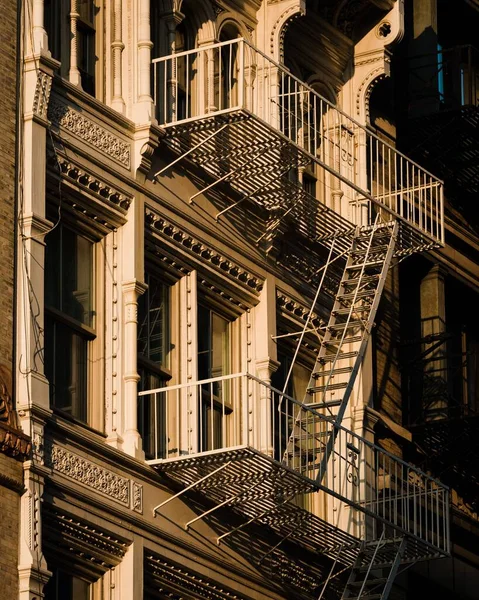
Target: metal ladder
{"x":346,"y":334}
{"x":351,"y":319}
{"x":363,"y":582}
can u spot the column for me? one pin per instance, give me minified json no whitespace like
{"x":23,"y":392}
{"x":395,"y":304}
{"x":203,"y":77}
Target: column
{"x":433,"y":323}
{"x":74,"y":74}
{"x":265,"y":365}
{"x":144,"y":109}
{"x":132,"y":290}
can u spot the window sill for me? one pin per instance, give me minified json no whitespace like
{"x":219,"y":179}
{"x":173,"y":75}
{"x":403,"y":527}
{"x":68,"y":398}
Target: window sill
{"x":59,"y":414}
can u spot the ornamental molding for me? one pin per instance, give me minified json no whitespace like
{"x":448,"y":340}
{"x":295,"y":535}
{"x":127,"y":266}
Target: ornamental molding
{"x":204,"y":252}
{"x":90,"y":132}
{"x":42,"y":94}
{"x":72,"y":531}
{"x":185,"y":581}
{"x":11,"y":484}
{"x":279,"y":27}
{"x":137,"y":497}
{"x":365,"y":89}
{"x":87,"y":182}
{"x":91,"y":475}
{"x":296,"y":309}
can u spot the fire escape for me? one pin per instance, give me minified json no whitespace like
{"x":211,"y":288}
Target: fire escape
{"x":283,"y":470}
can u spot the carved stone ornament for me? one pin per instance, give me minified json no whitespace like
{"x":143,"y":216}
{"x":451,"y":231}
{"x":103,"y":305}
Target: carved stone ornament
{"x":98,"y":137}
{"x":42,"y":94}
{"x":204,"y":252}
{"x":137,"y":497}
{"x":87,"y":473}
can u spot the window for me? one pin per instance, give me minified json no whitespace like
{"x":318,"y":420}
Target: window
{"x":69,"y":318}
{"x":58,"y":24}
{"x":153,"y":363}
{"x":213,"y":361}
{"x":86,"y":44}
{"x":63,"y":586}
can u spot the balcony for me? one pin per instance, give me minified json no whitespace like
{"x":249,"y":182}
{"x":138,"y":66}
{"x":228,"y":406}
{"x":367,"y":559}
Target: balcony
{"x":249,"y":123}
{"x":242,"y":444}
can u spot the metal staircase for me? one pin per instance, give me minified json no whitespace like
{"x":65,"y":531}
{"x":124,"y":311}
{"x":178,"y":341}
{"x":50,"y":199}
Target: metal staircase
{"x":364,"y":583}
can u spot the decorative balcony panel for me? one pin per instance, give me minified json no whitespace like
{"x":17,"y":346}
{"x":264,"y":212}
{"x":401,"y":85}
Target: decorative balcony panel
{"x":250,"y":123}
{"x":244,"y":444}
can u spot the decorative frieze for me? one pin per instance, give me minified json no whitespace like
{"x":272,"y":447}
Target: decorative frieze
{"x":202,"y":251}
{"x":295,"y":309}
{"x":90,"y":132}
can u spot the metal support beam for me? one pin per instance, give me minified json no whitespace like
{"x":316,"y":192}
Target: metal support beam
{"x":185,"y":154}
{"x":191,"y":486}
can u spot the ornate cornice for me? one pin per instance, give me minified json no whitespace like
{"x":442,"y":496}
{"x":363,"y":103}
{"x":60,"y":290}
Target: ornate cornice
{"x":184,"y":581}
{"x":101,"y":480}
{"x":204,"y":252}
{"x":97,"y":137}
{"x":11,"y":484}
{"x":90,"y":183}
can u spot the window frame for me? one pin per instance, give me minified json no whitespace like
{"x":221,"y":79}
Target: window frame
{"x":90,"y":415}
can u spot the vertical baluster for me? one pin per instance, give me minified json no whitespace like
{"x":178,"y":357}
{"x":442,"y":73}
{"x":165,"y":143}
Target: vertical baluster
{"x":177,"y":416}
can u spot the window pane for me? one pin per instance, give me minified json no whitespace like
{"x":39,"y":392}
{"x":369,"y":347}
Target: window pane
{"x":66,"y":368}
{"x":220,"y":346}
{"x":152,"y":416}
{"x":77,"y":255}
{"x":68,"y":269}
{"x":154,"y":322}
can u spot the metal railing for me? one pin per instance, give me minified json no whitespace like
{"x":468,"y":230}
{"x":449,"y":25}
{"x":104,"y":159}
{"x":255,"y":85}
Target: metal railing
{"x":241,"y":410}
{"x":234,"y":75}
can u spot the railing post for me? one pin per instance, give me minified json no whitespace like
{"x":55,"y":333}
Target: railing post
{"x":241,"y":75}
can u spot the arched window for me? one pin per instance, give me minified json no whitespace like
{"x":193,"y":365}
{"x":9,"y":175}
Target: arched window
{"x":228,"y":68}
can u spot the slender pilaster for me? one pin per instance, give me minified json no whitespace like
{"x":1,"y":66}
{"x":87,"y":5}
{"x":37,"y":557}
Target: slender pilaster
{"x":144,"y":111}
{"x":74,"y":74}
{"x":117,"y":47}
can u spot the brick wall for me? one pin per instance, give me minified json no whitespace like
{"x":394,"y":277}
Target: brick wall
{"x":11,"y":472}
{"x":8,"y":106}
{"x":10,"y":469}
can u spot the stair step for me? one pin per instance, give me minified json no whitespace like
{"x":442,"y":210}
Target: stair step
{"x":341,"y":370}
{"x":331,"y":386}
{"x":348,"y":340}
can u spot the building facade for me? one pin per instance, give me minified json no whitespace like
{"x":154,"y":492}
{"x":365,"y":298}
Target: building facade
{"x":238,"y":350}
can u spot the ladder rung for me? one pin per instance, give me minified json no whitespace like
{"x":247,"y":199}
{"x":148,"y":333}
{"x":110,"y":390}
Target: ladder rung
{"x":376,"y":566}
{"x":370,"y":582}
{"x":339,"y":326}
{"x":346,"y":311}
{"x":317,"y":374}
{"x":358,"y":266}
{"x":331,"y":357}
{"x":328,"y":404}
{"x":331,"y":386}
{"x":371,"y":250}
{"x":363,"y":279}
{"x":358,"y":295}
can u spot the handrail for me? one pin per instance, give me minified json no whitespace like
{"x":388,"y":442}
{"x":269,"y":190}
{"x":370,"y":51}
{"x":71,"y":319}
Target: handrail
{"x":303,"y":84}
{"x":296,"y":402}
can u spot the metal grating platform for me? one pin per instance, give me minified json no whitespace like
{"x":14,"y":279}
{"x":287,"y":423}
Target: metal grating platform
{"x":260,"y":489}
{"x":238,"y":149}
